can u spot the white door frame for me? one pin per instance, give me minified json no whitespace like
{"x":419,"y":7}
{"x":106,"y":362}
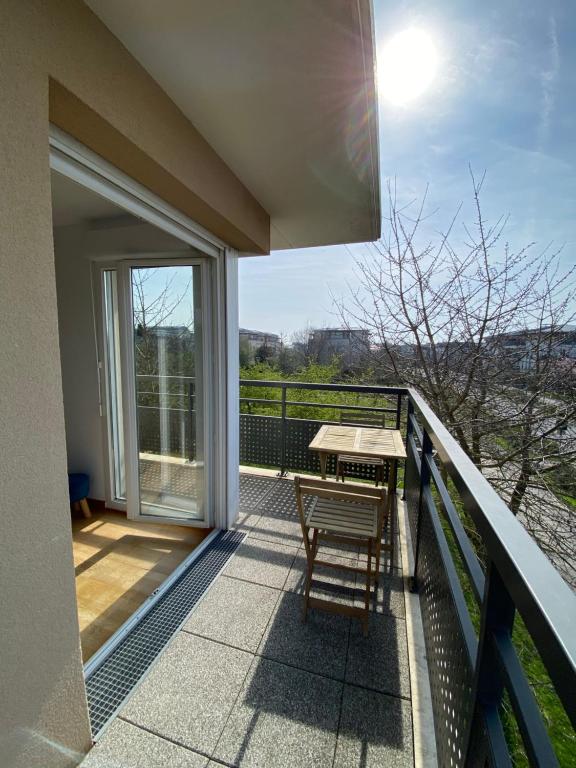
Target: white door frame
{"x":72,"y":159}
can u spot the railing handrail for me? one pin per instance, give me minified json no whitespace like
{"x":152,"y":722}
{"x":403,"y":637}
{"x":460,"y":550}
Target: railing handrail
{"x":372,"y":389}
{"x":529,"y":575}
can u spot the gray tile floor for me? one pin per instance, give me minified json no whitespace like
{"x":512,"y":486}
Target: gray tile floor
{"x":247,"y":683}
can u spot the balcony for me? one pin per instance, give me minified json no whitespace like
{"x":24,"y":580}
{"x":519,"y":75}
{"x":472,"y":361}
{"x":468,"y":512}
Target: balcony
{"x":471,"y":644}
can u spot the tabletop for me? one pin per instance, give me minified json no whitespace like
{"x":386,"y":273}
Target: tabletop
{"x":359,"y":441}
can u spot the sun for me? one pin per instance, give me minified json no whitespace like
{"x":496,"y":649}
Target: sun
{"x":407,"y":65}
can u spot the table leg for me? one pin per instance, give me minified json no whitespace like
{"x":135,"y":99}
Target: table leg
{"x":392,"y":479}
{"x":323,"y":459}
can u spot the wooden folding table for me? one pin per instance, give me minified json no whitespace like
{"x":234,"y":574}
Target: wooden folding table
{"x":372,"y":443}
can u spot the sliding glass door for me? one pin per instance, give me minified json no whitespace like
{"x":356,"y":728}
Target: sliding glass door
{"x":157,"y":328}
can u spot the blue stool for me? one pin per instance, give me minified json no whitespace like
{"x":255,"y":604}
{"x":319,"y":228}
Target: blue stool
{"x":78,"y":487}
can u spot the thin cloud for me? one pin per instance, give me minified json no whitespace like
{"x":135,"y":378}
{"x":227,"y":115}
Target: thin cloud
{"x":548,"y":81}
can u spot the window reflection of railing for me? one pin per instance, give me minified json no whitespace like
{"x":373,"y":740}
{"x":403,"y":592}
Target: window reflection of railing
{"x":171,"y":398}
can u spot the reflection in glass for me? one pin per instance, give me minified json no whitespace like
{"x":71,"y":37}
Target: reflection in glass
{"x":167,"y":323}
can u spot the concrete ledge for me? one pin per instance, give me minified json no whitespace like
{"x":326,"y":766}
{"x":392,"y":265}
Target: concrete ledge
{"x":425,"y":755}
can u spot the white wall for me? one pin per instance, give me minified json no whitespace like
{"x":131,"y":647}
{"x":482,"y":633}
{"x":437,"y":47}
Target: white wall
{"x":84,"y":438}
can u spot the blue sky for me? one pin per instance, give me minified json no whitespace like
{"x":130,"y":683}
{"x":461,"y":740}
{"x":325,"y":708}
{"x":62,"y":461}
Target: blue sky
{"x":503,"y":101}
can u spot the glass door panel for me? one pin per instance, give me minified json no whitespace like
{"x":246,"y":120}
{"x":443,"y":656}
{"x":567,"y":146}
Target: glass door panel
{"x":168,"y":351}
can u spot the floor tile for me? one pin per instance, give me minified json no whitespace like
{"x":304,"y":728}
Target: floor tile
{"x":279,"y":529}
{"x":234,"y":612}
{"x":379,"y":661}
{"x":284,"y":718}
{"x":349,"y":551}
{"x":282,"y":500}
{"x":317,"y":645}
{"x":123,"y":745}
{"x":375,"y":730}
{"x":246,"y":520}
{"x":327,"y":583}
{"x":262,"y":563}
{"x":387,"y":598}
{"x":189,"y":693}
{"x":385,"y":562}
{"x":253,"y":489}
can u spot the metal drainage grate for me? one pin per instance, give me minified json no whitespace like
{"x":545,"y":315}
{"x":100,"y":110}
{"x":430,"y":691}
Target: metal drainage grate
{"x":110,"y":683}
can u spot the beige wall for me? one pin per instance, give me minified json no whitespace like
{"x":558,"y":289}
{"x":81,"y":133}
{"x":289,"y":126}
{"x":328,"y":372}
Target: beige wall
{"x":43,"y":715}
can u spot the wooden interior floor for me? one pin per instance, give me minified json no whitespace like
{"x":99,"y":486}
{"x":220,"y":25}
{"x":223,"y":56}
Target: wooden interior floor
{"x":119,"y":563}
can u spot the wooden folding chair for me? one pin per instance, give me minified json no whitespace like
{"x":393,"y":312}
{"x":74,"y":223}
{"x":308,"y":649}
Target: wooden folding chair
{"x":362,"y":419}
{"x":351,"y":515}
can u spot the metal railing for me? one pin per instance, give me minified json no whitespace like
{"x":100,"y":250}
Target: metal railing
{"x":471,"y":606}
{"x":473,"y":669}
{"x":281,"y":440}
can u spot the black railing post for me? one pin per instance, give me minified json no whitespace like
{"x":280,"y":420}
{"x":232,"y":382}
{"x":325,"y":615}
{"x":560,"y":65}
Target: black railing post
{"x":497,"y":618}
{"x":398,"y":410}
{"x":191,"y":420}
{"x":425,"y":457}
{"x":283,"y":433}
{"x":409,"y":414}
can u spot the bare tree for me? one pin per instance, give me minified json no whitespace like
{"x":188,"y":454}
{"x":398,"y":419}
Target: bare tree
{"x":152,"y":308}
{"x":154,"y":304}
{"x":480,"y":329}
{"x":306,"y":349}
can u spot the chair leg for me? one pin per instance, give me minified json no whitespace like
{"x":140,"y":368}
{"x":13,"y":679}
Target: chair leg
{"x":392,"y":531}
{"x":368,"y":585}
{"x":315,"y":543}
{"x":85,"y":508}
{"x":311,"y":550}
{"x":378,"y":553}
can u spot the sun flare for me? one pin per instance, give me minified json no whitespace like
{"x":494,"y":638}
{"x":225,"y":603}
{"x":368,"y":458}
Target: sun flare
{"x":407,"y":66}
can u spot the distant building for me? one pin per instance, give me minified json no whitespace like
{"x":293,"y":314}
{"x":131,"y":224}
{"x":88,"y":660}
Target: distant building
{"x":523,"y":346}
{"x":255,"y":340}
{"x":169,"y":331}
{"x":349,"y":344}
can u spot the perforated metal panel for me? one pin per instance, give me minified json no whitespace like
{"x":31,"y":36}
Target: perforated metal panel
{"x":451,"y":675}
{"x":181,"y":433}
{"x":299,"y":435}
{"x":261,"y":444}
{"x":113,"y":680}
{"x":449,"y":667}
{"x":260,"y":440}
